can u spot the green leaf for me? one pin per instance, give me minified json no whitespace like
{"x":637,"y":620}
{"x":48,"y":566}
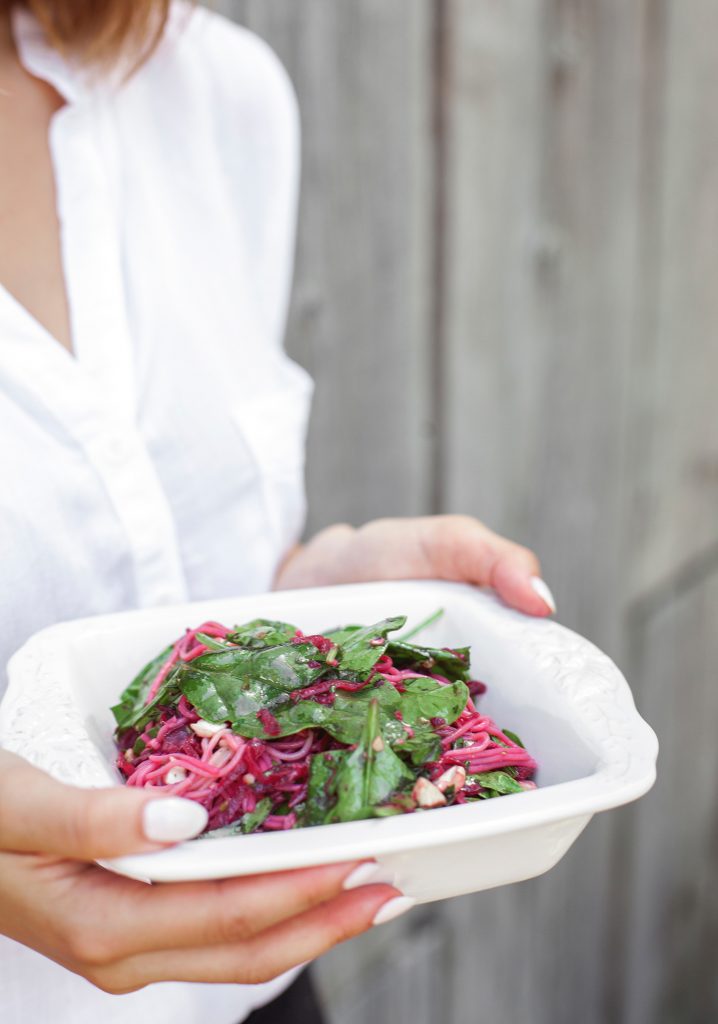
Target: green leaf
{"x":427,"y":699}
{"x":361,"y":648}
{"x":340,"y":634}
{"x":512,"y":736}
{"x":321,"y":788}
{"x":133,"y":697}
{"x":168,"y":695}
{"x":233,"y":685}
{"x":344,"y":719}
{"x":499,"y":783}
{"x":261,"y":633}
{"x":214,"y":643}
{"x":251,"y":821}
{"x":423,"y":700}
{"x":369,"y":774}
{"x":452,"y":665}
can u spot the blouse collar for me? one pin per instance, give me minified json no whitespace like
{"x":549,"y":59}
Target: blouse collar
{"x":41,"y":59}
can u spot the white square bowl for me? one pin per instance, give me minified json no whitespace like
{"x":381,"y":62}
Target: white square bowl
{"x":568,"y":702}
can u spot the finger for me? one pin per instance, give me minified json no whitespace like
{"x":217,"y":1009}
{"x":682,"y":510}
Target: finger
{"x":40,"y":815}
{"x":466,"y":549}
{"x":266,"y":956}
{"x":180,"y":915}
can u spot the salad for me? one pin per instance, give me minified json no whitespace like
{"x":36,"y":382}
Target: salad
{"x":272,"y":729}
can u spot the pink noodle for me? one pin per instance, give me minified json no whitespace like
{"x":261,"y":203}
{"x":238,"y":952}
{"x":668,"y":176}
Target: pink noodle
{"x":278,"y":768}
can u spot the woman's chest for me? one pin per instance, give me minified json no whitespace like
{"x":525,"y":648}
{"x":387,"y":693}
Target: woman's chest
{"x":30,"y":259}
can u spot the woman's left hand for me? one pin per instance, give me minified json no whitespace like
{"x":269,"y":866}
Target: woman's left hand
{"x":450,"y":547}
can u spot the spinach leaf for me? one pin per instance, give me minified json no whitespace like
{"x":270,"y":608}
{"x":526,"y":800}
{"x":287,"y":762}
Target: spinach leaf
{"x":423,"y":700}
{"x":427,"y":699}
{"x":451,"y":664}
{"x":214,"y":643}
{"x":513,"y":736}
{"x":340,"y":634}
{"x":344,"y":719}
{"x":251,"y":821}
{"x":497,"y":783}
{"x":321,"y":788}
{"x":262,"y":633}
{"x":233,"y":685}
{"x":167,"y":695}
{"x":369,"y":774}
{"x":360,"y":649}
{"x":133,"y":697}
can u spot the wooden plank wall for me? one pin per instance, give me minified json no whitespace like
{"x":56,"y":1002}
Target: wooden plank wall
{"x":505,"y":291}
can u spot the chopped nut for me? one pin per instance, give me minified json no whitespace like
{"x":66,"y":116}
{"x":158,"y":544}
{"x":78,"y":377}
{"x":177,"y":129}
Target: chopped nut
{"x":378,"y":744}
{"x":453,"y":778}
{"x":206,"y":729}
{"x":175,"y":774}
{"x":427,"y":794}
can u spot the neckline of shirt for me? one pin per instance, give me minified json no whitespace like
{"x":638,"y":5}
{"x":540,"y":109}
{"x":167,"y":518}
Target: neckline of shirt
{"x":67,"y":76}
{"x":43,"y":61}
{"x":102,"y":349}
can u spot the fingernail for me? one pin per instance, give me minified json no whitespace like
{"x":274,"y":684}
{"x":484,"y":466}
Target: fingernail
{"x":369,"y":873}
{"x":173,"y":819}
{"x":393,"y":908}
{"x":541,"y":588}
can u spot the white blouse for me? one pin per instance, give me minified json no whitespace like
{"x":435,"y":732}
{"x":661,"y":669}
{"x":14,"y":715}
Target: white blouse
{"x":163,"y":461}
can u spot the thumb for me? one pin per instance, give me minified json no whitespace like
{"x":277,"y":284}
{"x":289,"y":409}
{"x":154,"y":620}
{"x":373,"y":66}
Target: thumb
{"x":40,"y":815}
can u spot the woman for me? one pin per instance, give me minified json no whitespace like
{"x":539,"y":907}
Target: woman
{"x":147,"y":194}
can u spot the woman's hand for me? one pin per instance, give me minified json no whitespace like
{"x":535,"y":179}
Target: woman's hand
{"x":439,"y":547}
{"x":121,"y":934}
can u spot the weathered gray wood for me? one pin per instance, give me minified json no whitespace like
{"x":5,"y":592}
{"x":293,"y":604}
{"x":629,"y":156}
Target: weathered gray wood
{"x":545,"y":149}
{"x":543,"y":243}
{"x":360,"y":316}
{"x":672,"y":945}
{"x":675,"y":486}
{"x":670,"y":942}
{"x":404,"y":976}
{"x":574,"y":271}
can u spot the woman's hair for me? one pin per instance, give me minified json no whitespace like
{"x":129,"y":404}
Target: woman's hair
{"x":101,"y":32}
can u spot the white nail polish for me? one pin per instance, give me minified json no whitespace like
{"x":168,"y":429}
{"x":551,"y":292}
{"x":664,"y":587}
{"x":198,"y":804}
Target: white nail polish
{"x":393,"y":908}
{"x":173,"y":819}
{"x":369,"y":873}
{"x":541,"y":588}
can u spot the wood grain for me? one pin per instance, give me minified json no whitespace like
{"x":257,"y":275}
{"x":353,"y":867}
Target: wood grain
{"x":672,"y":839}
{"x":505,"y":289}
{"x":544,"y":228}
{"x":360,"y":319}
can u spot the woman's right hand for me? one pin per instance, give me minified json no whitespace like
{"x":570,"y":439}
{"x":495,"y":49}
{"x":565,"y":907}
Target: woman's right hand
{"x":121,"y":934}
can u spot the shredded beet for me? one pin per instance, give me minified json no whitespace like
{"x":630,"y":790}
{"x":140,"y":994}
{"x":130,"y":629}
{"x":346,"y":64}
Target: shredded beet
{"x":234,"y":776}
